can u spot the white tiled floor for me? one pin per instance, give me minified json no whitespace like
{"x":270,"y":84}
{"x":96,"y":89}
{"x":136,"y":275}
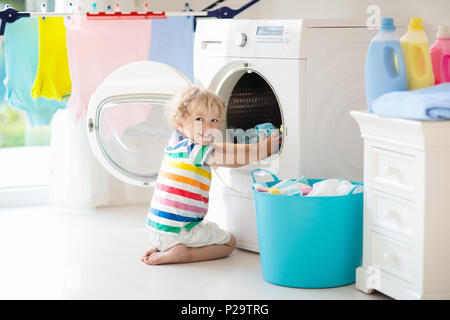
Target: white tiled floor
{"x":47,"y":253}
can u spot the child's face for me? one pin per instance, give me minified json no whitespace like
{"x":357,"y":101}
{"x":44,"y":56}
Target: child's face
{"x":201,"y":127}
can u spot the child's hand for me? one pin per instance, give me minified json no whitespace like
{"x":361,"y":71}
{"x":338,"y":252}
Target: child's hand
{"x":270,"y":145}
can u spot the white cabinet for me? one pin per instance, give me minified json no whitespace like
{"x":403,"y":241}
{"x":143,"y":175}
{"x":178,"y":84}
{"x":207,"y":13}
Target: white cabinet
{"x":406,"y":238}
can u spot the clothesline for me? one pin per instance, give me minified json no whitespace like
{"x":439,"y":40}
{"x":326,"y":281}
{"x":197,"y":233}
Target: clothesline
{"x":10,"y":15}
{"x":62,"y":61}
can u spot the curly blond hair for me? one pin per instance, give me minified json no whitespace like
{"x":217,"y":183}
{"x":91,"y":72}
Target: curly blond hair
{"x":195,"y":98}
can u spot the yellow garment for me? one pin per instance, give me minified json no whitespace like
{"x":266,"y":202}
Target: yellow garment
{"x":53,"y":76}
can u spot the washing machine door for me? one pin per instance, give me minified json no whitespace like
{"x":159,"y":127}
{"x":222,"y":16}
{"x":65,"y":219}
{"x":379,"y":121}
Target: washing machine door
{"x":250,"y":100}
{"x":127,"y":119}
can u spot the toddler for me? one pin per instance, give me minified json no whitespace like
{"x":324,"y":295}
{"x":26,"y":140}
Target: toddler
{"x":177,"y":232}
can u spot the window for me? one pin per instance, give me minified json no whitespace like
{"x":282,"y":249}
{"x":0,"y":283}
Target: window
{"x":24,"y":158}
{"x":24,"y":150}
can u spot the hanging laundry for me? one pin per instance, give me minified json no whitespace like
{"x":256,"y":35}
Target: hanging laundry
{"x":2,"y":76}
{"x":21,"y":60}
{"x":53,"y":77}
{"x":98,"y":47}
{"x":173,"y":43}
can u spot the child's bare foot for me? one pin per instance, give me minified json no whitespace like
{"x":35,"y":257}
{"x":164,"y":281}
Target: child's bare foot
{"x":147,"y":254}
{"x":177,"y":254}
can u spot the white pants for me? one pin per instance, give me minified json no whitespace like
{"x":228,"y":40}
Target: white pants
{"x":204,"y":234}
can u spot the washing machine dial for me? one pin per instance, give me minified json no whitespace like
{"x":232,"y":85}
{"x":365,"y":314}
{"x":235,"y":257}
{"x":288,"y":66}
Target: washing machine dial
{"x":240,"y":39}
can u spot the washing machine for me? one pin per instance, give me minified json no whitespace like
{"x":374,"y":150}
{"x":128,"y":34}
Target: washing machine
{"x":306,"y":75}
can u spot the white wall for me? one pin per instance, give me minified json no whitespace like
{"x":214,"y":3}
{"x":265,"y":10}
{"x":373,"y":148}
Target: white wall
{"x":433,"y":12}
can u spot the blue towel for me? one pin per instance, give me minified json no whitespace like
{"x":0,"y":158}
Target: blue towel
{"x":431,"y":103}
{"x":173,"y":43}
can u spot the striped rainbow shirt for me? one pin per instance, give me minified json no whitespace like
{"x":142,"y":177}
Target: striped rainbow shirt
{"x":181,"y":195}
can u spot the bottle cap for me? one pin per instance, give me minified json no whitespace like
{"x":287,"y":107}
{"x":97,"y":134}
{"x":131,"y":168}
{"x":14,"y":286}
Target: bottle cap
{"x":387,"y":24}
{"x":415,"y":24}
{"x":444,"y":32}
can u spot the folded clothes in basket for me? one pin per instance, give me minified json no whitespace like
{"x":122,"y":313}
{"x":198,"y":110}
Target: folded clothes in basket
{"x":287,"y":187}
{"x":302,"y":187}
{"x":334,"y":187}
{"x":431,"y":103}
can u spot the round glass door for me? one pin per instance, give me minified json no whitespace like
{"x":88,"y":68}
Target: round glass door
{"x":132,"y":133}
{"x":250,"y":100}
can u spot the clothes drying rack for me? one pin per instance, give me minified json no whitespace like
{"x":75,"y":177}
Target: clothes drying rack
{"x":10,"y":15}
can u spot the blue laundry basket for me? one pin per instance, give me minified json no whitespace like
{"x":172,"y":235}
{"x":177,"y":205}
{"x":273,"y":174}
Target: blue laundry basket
{"x":309,"y":242}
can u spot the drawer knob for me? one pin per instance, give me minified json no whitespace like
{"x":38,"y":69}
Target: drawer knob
{"x":392,"y":214}
{"x":390,"y":257}
{"x":393,"y":171}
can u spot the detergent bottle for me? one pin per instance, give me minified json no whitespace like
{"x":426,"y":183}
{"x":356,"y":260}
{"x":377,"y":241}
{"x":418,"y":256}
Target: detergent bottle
{"x":416,"y":51}
{"x":385,"y":68}
{"x":440,"y":56}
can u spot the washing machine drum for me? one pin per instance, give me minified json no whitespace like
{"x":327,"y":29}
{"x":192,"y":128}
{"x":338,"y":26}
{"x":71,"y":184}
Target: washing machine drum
{"x":127,"y":119}
{"x":252,"y":102}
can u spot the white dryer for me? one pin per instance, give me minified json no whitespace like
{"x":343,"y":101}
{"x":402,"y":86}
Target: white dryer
{"x":303,"y":74}
{"x":309,"y":74}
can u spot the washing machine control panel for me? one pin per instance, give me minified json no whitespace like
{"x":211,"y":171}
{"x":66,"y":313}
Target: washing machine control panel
{"x":265,"y":38}
{"x":271,"y":34}
{"x":251,"y":38}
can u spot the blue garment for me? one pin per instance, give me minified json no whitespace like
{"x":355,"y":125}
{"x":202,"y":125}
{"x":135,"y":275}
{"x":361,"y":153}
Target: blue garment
{"x":21,"y":45}
{"x":172,"y":43}
{"x":431,"y":103}
{"x":252,"y":135}
{"x":267,"y":127}
{"x":2,"y":75}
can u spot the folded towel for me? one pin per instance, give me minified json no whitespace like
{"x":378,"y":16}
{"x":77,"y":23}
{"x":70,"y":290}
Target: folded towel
{"x":431,"y":103}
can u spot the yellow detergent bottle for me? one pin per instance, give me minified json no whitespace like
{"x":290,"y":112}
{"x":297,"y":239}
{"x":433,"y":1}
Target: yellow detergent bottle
{"x":415,"y":47}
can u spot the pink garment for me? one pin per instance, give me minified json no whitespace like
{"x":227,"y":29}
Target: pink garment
{"x":98,"y":47}
{"x":117,"y":119}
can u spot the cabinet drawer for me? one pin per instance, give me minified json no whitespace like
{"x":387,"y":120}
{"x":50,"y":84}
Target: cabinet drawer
{"x":392,"y":257}
{"x":392,"y":213}
{"x":394,"y":172}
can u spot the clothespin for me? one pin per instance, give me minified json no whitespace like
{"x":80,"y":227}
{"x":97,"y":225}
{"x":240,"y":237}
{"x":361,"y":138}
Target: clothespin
{"x":187,"y":7}
{"x":146,"y":7}
{"x":94,"y":7}
{"x":10,"y":15}
{"x":43,"y":8}
{"x":117,"y":8}
{"x":70,"y":10}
